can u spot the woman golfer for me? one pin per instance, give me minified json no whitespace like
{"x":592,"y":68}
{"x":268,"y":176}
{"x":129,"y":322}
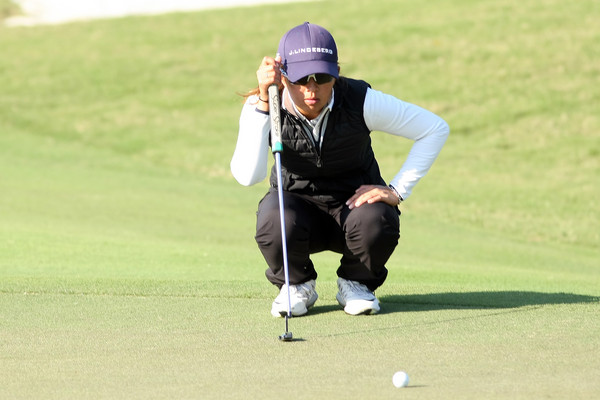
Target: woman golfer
{"x":334,"y":196}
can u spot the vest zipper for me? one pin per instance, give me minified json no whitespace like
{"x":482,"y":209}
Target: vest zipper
{"x":319,"y":162}
{"x":311,"y":139}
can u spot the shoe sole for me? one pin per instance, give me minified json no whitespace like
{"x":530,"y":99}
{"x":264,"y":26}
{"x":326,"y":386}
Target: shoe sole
{"x":361,"y":311}
{"x":283,"y":313}
{"x":365,"y":312}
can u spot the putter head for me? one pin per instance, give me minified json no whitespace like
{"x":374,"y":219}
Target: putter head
{"x":286,"y":337}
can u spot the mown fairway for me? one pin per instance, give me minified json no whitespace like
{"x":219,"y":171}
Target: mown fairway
{"x":128,"y":267}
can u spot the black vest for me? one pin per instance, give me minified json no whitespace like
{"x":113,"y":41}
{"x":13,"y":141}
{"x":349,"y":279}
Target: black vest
{"x":346,"y":159}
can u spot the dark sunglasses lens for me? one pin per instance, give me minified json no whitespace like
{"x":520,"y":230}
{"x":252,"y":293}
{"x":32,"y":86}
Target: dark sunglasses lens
{"x":324,"y":78}
{"x":319,"y":78}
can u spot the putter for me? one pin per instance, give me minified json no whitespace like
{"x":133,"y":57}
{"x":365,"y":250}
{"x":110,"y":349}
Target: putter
{"x":277,"y":148}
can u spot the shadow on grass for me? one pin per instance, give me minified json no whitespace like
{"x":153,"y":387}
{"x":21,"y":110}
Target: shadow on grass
{"x":324,"y":309}
{"x":481,"y":300}
{"x":498,"y":303}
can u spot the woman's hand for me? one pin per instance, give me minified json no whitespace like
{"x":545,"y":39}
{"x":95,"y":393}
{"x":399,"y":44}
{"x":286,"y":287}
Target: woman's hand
{"x":372,"y":194}
{"x":268,"y":73}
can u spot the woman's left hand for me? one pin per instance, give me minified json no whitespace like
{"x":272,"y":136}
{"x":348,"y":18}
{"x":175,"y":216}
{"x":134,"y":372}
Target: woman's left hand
{"x":372,"y":194}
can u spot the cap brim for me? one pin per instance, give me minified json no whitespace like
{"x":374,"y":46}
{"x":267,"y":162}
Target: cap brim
{"x":298,"y":70}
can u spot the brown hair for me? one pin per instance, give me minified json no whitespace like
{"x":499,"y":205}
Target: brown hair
{"x":255,"y":92}
{"x":252,"y":92}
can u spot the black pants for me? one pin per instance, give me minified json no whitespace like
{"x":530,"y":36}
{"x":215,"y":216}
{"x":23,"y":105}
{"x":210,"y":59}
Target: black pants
{"x":365,"y":236}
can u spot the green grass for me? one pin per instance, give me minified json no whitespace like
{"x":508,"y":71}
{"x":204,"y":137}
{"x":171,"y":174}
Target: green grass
{"x":8,"y":8}
{"x":127,"y":262}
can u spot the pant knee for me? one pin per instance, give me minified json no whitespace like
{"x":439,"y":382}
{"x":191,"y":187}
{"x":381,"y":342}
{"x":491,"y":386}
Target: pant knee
{"x":373,"y":224}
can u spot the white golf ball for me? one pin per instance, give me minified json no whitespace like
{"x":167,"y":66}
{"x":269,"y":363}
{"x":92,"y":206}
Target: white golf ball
{"x":400,"y":379}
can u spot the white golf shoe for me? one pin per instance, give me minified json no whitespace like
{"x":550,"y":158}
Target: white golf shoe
{"x":356,"y":298}
{"x":302,"y":297}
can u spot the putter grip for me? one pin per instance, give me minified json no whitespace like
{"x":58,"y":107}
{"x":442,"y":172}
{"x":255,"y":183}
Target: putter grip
{"x":275,"y":116}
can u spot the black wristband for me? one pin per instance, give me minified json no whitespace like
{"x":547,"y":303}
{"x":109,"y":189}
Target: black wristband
{"x":400,"y":199}
{"x":264,"y":101}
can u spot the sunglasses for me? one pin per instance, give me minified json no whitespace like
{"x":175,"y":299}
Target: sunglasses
{"x":319,"y":79}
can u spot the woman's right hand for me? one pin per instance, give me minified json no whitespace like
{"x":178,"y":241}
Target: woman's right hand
{"x":268,"y":73}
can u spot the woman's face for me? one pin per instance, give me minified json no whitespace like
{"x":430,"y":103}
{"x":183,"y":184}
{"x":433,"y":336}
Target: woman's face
{"x":310,"y":98}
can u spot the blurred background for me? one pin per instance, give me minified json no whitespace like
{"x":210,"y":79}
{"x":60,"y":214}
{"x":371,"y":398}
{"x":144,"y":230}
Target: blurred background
{"x":60,"y":11}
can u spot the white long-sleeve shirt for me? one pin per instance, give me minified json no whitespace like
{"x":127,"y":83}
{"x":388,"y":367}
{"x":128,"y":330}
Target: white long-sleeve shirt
{"x":382,"y":112}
